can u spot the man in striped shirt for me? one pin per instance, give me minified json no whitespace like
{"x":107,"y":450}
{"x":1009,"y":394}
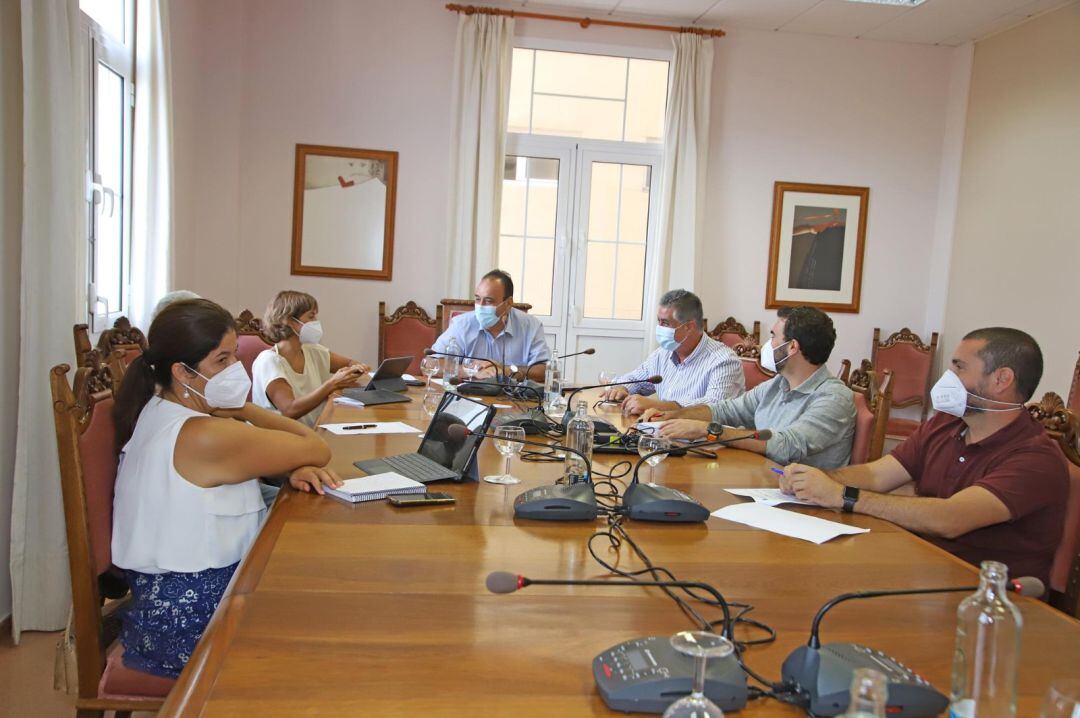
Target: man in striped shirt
{"x":696,"y":368}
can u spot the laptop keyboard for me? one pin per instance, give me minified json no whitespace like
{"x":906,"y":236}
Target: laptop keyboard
{"x":418,"y":467}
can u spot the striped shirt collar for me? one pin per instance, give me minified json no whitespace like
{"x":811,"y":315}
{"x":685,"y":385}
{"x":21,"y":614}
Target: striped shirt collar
{"x":698,"y":352}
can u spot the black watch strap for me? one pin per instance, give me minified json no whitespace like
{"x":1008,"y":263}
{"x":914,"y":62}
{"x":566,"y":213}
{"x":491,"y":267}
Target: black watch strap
{"x":851,"y":496}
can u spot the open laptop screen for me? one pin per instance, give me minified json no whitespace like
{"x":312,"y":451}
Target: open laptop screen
{"x":455,"y":409}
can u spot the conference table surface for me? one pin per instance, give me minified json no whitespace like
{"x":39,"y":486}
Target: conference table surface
{"x":368,"y":609}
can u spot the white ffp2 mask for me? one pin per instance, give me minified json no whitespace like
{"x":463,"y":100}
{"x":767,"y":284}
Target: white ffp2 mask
{"x":949,"y":396}
{"x":228,"y":389}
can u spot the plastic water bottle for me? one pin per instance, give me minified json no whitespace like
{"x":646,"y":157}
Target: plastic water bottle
{"x":554,"y":405}
{"x":451,"y":365}
{"x":579,"y":435}
{"x":869,"y":694}
{"x":988,"y":627}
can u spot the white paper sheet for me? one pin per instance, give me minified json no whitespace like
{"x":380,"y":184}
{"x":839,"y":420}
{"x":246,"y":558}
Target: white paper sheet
{"x":769,"y":497}
{"x":377,"y":427}
{"x":786,"y":523}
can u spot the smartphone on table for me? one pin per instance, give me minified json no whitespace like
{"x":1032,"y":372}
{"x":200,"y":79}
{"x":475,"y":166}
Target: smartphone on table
{"x":431,"y":498}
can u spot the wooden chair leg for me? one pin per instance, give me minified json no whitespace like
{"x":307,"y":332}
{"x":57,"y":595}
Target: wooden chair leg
{"x":88,"y":713}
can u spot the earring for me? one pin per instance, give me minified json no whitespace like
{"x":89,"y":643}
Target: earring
{"x":187,"y":394}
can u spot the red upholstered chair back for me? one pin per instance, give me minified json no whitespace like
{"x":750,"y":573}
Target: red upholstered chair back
{"x":453,"y":307}
{"x":910,"y":361}
{"x":250,"y":340}
{"x":407,"y":332}
{"x":123,"y":337}
{"x":753,"y":372}
{"x":732,"y":333}
{"x":873,"y":401}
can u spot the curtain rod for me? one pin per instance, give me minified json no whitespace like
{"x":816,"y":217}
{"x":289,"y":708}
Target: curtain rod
{"x":585,"y":22}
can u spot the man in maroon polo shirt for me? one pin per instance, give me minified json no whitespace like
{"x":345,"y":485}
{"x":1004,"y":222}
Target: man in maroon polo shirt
{"x":988,"y":482}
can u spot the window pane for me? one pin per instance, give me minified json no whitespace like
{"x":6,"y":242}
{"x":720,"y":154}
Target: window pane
{"x":599,"y":277}
{"x":543,"y":197}
{"x":630,"y":281}
{"x":537,"y":279}
{"x":634,"y":204}
{"x":577,"y":117}
{"x":108,"y":166}
{"x":510,"y":257}
{"x":512,"y":213}
{"x":520,"y":91}
{"x":646,"y":100}
{"x":604,"y":202}
{"x":571,"y":73}
{"x":107,"y":13}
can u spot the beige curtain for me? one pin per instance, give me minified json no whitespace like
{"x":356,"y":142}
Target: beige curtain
{"x":480,"y":103}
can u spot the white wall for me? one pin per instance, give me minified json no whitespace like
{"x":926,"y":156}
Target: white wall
{"x":1016,"y":255}
{"x":10,"y":231}
{"x":254,"y":78}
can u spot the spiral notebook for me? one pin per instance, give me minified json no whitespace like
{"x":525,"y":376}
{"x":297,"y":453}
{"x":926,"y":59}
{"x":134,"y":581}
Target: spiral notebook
{"x":373,"y":488}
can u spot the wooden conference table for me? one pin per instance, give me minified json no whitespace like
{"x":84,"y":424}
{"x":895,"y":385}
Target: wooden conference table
{"x":371,"y":610}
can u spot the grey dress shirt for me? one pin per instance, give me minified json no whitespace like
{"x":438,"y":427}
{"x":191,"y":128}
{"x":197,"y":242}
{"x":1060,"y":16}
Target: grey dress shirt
{"x":813,"y":423}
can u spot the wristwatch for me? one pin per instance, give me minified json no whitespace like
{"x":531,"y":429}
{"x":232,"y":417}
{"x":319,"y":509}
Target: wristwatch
{"x":851,"y":496}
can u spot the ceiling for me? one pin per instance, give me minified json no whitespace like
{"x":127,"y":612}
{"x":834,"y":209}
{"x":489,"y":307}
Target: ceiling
{"x":935,"y":22}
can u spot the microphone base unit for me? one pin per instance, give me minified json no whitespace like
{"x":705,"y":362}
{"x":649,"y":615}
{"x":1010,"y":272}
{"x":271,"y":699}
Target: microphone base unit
{"x":652,"y":502}
{"x":533,"y":421}
{"x":646,"y":675}
{"x":823,"y":677}
{"x":480,"y":388}
{"x":558,"y":502}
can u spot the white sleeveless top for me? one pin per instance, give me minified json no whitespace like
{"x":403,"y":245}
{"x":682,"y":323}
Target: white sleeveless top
{"x":269,"y":365}
{"x":164,"y":523}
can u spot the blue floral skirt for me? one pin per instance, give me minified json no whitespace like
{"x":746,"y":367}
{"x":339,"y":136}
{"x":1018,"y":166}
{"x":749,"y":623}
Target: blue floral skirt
{"x":167,"y":616}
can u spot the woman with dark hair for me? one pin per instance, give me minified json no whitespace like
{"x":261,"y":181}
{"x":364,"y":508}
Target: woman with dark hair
{"x":298,"y":373}
{"x":187,"y":505}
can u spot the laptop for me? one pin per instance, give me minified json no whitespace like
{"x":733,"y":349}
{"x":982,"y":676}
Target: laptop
{"x":439,"y":457}
{"x":385,"y":384}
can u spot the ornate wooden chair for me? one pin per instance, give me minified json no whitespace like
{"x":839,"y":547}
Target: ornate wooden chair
{"x":1064,"y":426}
{"x":873,"y":400}
{"x":453,"y":307}
{"x":911,"y":362}
{"x":731,"y":332}
{"x":753,"y":372}
{"x":408,"y":332}
{"x":124,"y":338}
{"x":250,"y":341}
{"x":1074,"y":390}
{"x":845,"y":370}
{"x":85,"y":438}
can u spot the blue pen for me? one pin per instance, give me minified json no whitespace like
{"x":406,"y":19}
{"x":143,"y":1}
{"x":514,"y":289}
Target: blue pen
{"x":776,"y":470}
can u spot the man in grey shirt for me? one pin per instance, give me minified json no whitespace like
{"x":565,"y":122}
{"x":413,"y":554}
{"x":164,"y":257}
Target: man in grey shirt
{"x":811,"y":414}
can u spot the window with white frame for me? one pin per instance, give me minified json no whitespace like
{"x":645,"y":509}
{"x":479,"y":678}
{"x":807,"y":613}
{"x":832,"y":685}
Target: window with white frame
{"x":584,"y":144}
{"x":110,"y":91}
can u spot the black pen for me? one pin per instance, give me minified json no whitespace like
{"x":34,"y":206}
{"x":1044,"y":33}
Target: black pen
{"x":359,"y":426}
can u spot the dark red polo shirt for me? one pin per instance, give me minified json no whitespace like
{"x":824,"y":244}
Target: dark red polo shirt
{"x":1019,"y":464}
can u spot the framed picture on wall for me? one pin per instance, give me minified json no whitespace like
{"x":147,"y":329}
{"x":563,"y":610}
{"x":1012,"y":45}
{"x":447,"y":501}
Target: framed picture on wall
{"x":816,"y":252}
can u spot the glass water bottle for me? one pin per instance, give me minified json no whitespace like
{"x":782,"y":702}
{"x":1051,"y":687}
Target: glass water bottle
{"x":579,"y":435}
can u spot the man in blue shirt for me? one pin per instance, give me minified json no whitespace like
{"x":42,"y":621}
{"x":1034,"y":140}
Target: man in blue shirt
{"x":497,"y":331}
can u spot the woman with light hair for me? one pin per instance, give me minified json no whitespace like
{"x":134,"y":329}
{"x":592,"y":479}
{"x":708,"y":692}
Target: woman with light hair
{"x":297,"y":374}
{"x":174,"y":296}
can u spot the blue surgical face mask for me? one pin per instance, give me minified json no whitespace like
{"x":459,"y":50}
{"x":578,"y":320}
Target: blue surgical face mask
{"x":486,"y":316}
{"x":665,"y":337}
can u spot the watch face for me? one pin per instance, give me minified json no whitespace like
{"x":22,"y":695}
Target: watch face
{"x":851,"y":493}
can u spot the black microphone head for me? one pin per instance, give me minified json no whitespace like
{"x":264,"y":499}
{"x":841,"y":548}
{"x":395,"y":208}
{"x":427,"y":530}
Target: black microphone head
{"x":590,"y":351}
{"x":457,"y":432}
{"x":429,"y":351}
{"x":1028,"y":586}
{"x":654,"y":379}
{"x":503,"y":582}
{"x":764,"y":435}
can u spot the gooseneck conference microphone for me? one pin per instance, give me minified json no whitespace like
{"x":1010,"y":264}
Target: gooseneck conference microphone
{"x":473,"y":387}
{"x":652,"y":502}
{"x":646,"y":674}
{"x":822,"y":674}
{"x":590,"y":351}
{"x":553,"y":502}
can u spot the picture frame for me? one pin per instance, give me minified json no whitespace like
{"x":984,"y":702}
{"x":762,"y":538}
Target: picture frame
{"x":816,"y":247}
{"x":343,"y":212}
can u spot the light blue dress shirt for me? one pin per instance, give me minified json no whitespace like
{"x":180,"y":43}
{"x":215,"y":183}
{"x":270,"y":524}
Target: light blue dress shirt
{"x":521,"y":341}
{"x":710,"y":374}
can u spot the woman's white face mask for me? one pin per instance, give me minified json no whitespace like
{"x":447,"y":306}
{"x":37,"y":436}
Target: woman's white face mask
{"x":228,"y":389}
{"x":310,"y":332}
{"x":949,"y":395}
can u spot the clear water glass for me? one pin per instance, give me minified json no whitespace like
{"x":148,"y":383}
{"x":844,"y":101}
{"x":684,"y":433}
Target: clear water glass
{"x":702,"y":646}
{"x":606,"y":377}
{"x":649,"y":444}
{"x":508,"y":442}
{"x":1062,"y":699}
{"x":430,"y":366}
{"x":471,"y":367}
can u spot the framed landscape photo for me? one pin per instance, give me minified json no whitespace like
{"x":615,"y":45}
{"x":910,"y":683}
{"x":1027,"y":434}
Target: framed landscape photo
{"x":816,"y":251}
